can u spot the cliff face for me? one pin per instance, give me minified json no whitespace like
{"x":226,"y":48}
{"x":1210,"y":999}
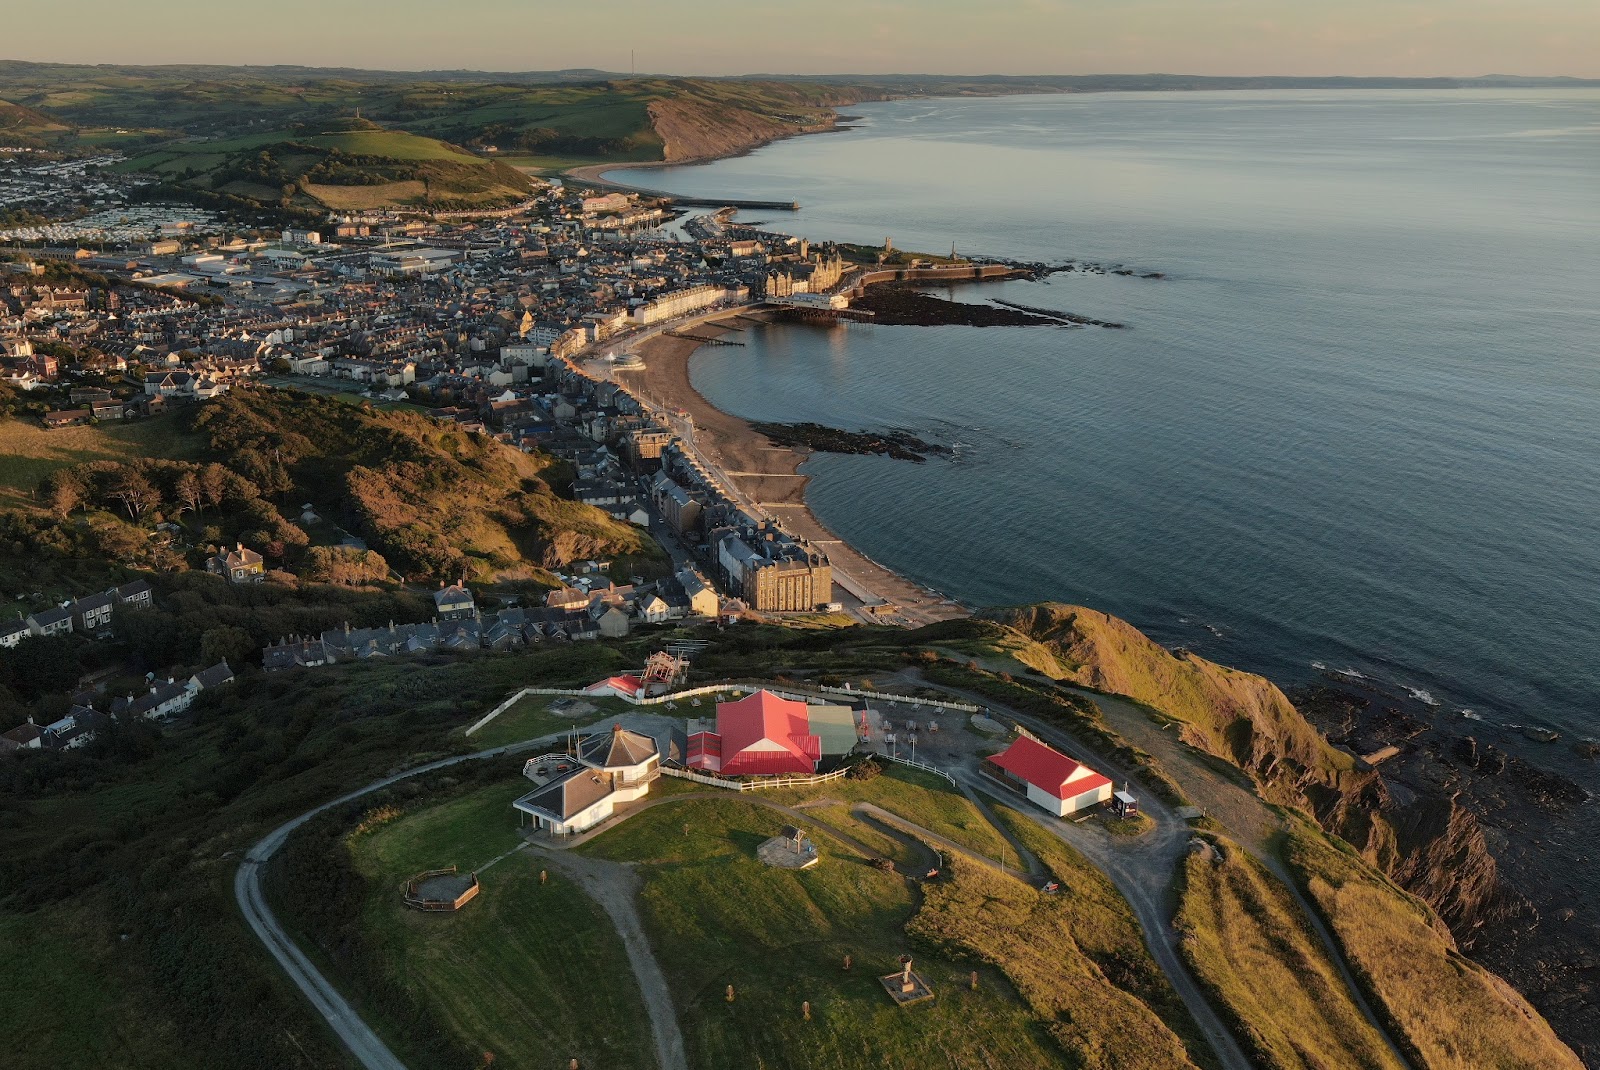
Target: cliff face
{"x":702,"y":130}
{"x":1429,"y":845}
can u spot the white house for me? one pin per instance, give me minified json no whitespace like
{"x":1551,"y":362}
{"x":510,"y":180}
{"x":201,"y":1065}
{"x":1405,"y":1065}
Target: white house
{"x":578,"y":791}
{"x":1049,"y":779}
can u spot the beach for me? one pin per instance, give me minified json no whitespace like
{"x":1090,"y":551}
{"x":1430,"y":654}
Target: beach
{"x":770,"y":476}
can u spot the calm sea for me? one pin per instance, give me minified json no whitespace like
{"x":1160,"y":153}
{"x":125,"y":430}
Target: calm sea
{"x":1356,"y":427}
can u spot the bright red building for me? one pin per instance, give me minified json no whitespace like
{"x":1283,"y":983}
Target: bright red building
{"x":759,"y":735}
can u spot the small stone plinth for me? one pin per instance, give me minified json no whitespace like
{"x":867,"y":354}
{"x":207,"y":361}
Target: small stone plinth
{"x":906,"y":988}
{"x":784,"y":853}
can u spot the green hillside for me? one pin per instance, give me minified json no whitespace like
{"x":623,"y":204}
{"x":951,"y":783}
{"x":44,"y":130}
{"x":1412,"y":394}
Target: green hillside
{"x":25,"y":127}
{"x":434,"y":502}
{"x":348,"y":164}
{"x":533,"y":122}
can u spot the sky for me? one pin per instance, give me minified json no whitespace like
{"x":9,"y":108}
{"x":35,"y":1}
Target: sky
{"x":1230,"y":37}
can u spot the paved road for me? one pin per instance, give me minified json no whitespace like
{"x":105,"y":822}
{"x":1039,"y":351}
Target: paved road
{"x":355,"y":1034}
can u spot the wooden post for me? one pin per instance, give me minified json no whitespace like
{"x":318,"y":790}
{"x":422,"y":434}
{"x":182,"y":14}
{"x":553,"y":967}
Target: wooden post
{"x":730,"y":994}
{"x":974,"y":980}
{"x":805,"y":1008}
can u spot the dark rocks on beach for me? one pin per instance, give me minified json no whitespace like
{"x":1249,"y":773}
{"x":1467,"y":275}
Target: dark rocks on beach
{"x":901,"y":445}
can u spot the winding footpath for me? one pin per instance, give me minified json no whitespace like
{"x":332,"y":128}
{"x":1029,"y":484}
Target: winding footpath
{"x":1143,"y":872}
{"x":1141,"y":868}
{"x":354,"y":1033}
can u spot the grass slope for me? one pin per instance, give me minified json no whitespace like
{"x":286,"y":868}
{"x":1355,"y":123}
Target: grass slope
{"x":1447,"y":1011}
{"x":1104,"y":928}
{"x":1249,"y":945}
{"x":532,"y":973}
{"x":1031,"y":938}
{"x":716,"y":917}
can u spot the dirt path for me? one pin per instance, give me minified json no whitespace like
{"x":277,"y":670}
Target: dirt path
{"x":614,"y":886}
{"x":1250,"y":821}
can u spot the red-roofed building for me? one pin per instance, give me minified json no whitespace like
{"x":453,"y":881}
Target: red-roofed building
{"x":617,"y":686}
{"x":759,"y":735}
{"x":1048,"y":778}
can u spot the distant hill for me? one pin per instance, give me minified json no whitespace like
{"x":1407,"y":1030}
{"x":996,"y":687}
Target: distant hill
{"x":339,"y":166}
{"x":20,"y":126}
{"x":546,"y":120}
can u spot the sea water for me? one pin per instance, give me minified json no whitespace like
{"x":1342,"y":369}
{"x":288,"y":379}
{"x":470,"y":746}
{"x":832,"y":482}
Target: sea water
{"x":1355,"y":429}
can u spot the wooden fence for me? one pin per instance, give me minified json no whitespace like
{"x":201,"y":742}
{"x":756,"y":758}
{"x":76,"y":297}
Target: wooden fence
{"x":763,"y":784}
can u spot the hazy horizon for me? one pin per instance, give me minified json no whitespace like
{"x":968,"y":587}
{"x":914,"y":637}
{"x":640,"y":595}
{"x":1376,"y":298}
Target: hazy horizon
{"x":1236,"y":38}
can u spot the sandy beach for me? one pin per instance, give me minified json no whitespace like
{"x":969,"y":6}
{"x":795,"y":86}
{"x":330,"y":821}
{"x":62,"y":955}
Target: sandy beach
{"x":769,"y":475}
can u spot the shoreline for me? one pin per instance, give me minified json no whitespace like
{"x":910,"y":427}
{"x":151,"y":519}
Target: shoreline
{"x":770,"y":476}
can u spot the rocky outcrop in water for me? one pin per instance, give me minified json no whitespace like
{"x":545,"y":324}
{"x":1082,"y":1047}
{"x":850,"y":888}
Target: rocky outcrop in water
{"x":899,"y":304}
{"x":901,"y":445}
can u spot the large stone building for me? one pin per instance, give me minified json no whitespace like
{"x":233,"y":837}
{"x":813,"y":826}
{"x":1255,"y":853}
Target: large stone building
{"x":773,"y":571}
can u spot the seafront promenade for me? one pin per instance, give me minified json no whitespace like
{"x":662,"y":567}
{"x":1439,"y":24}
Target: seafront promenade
{"x":764,"y":478}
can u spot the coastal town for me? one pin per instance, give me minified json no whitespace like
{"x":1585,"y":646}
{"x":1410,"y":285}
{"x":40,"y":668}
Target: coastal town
{"x":405,"y":662}
{"x":524,"y":327}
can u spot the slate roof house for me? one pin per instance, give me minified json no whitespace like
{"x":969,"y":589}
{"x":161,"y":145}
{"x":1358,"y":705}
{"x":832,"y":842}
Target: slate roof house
{"x":454,"y":602}
{"x":579,"y":790}
{"x":238,"y":565}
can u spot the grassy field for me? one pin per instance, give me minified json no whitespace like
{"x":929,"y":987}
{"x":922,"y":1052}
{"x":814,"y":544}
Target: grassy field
{"x":1032,"y":938}
{"x":1104,"y":928}
{"x":1448,"y":1011}
{"x":54,"y":962}
{"x":32,"y":452}
{"x":531,"y":718}
{"x":1250,"y":946}
{"x":533,"y":973}
{"x":716,"y":917}
{"x":919,"y":797}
